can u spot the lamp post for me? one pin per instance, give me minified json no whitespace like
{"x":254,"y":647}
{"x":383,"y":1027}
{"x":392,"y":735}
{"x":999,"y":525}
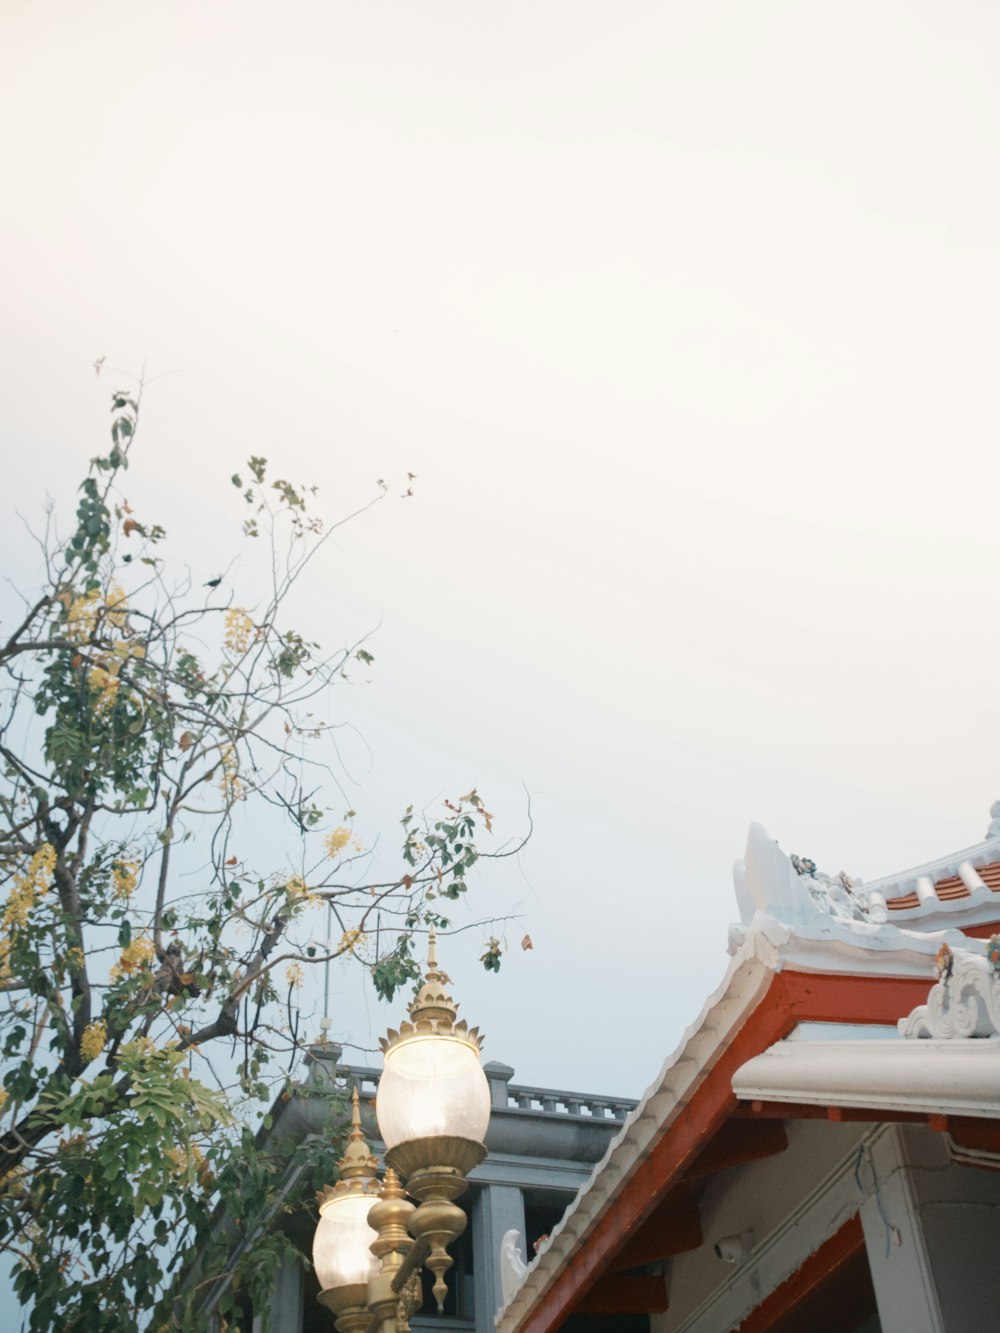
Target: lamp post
{"x":433,"y":1108}
{"x":342,"y":1255}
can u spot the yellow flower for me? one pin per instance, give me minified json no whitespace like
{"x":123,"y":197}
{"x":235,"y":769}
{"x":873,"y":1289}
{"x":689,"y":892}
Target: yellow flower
{"x":124,"y":877}
{"x":82,"y":616}
{"x":138,"y":1046}
{"x":293,"y":974}
{"x":116,"y":607}
{"x":92,"y":1043}
{"x":34,"y":880}
{"x":350,"y":939}
{"x":336,"y":841}
{"x":299,"y":892}
{"x":239,"y":628}
{"x":135,"y":956}
{"x":230,"y":783}
{"x":42,"y":866}
{"x":189,"y":1163}
{"x":86,"y":612}
{"x":19,"y":905}
{"x":179,"y":1158}
{"x":4,"y":1095}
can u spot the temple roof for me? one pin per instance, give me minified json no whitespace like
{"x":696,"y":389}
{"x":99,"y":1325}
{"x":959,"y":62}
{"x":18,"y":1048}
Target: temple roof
{"x":958,"y":891}
{"x":824,"y":1011}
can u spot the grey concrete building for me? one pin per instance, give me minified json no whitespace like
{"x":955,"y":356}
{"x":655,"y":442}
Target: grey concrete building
{"x":543,"y":1144}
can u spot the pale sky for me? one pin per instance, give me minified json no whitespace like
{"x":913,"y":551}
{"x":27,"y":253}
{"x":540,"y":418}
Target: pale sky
{"x":684,"y":316}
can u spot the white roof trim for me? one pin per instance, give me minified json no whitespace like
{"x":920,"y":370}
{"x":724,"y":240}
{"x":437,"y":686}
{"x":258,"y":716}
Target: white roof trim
{"x":981,"y":903}
{"x":823,"y":943}
{"x":929,"y":1077}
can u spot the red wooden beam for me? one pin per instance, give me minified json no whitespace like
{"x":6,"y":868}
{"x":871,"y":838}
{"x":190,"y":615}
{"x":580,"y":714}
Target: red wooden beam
{"x":873,"y":1115}
{"x":618,"y":1294}
{"x":776,"y":1111}
{"x":737,"y":1142}
{"x":822,"y":1265}
{"x":982,"y":932}
{"x":971,"y":1132}
{"x":813,"y":998}
{"x":671,"y":1228}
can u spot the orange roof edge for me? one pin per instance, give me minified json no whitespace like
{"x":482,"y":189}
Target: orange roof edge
{"x":792,"y":997}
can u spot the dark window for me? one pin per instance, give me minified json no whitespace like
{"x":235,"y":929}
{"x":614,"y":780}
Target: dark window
{"x":458,"y":1304}
{"x":541,"y":1218}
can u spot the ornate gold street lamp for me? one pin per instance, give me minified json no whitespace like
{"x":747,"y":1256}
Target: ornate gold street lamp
{"x":433,"y":1108}
{"x":342,"y":1255}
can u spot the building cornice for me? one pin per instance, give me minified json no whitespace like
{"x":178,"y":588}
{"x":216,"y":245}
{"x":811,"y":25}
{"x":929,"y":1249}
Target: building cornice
{"x":926,"y":1077}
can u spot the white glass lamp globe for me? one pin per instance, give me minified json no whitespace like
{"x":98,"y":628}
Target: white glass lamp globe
{"x":432,"y":1086}
{"x":341,"y":1252}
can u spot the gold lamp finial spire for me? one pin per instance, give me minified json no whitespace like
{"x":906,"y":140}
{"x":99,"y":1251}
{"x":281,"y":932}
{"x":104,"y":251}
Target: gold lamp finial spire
{"x":355,"y":1114}
{"x":357,"y":1161}
{"x":432,"y":1001}
{"x":432,"y":1010}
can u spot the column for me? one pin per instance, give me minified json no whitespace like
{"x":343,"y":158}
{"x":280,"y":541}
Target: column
{"x":496,"y":1209}
{"x":286,"y":1301}
{"x":498,"y":1076}
{"x":931,"y":1235}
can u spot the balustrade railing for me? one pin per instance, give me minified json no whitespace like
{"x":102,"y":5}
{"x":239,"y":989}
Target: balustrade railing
{"x":519,"y":1097}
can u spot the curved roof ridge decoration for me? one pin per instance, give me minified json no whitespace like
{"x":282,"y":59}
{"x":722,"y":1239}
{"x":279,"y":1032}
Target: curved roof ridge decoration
{"x":793,"y":889}
{"x":965,"y":1001}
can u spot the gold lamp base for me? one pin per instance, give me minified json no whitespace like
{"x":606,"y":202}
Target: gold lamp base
{"x":349,"y":1306}
{"x":435,"y":1171}
{"x":442,"y":1159}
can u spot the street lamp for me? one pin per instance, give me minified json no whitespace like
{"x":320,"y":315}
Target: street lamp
{"x":433,"y":1108}
{"x":342,"y":1256}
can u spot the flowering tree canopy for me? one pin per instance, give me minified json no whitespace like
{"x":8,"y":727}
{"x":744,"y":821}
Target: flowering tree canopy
{"x":148,"y":965}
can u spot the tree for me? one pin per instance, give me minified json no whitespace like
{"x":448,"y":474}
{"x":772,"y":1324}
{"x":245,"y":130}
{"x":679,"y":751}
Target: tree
{"x":149,"y":960}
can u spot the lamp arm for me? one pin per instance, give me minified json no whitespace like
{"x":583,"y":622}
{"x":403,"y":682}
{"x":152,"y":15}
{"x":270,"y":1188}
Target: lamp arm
{"x":405,"y":1287}
{"x":413,"y":1261}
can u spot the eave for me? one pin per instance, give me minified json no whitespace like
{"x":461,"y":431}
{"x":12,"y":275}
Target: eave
{"x":643,"y":1187}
